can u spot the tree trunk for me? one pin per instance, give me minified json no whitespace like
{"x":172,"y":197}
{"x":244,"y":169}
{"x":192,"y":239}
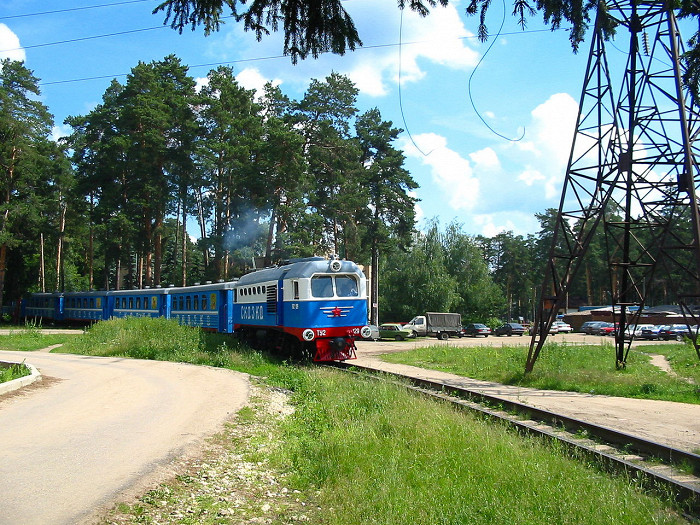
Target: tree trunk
{"x":145,"y":253}
{"x":158,"y":252}
{"x":42,"y":272}
{"x":91,"y":244}
{"x":270,"y":235}
{"x":374,"y":284}
{"x":60,"y":278}
{"x":184,"y":246}
{"x":202,"y":227}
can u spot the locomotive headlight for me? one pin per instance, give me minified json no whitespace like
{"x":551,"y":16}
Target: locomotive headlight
{"x":308,"y":335}
{"x":336,"y":265}
{"x":365,"y":332}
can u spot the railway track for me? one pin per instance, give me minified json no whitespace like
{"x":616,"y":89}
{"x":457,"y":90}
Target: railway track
{"x":655,"y":466}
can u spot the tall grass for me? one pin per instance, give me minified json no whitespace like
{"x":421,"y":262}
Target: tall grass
{"x":379,"y":455}
{"x":561,"y":366}
{"x":166,"y":340}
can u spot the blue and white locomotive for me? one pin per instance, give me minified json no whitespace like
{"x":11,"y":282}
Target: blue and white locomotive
{"x":312,"y":306}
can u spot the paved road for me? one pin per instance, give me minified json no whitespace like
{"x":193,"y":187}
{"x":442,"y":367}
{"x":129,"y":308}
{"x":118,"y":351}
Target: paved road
{"x":97,"y":428}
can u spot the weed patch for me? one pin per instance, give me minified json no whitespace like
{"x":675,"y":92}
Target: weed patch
{"x":10,"y":372}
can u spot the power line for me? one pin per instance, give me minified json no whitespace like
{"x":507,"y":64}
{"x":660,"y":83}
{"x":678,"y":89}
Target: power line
{"x":84,"y":8}
{"x":129,"y":31}
{"x":82,"y":39}
{"x":403,"y":116}
{"x":469,"y":84}
{"x":195,"y":66}
{"x":254,"y":59}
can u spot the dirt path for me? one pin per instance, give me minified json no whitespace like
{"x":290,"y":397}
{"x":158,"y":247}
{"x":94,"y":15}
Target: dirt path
{"x":96,"y":430}
{"x":675,"y":424}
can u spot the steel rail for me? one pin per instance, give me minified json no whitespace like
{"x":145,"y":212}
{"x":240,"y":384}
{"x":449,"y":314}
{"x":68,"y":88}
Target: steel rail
{"x":685,"y":488}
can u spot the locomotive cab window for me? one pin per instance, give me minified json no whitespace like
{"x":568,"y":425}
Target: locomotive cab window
{"x":334,"y":286}
{"x":345,"y":286}
{"x":322,"y":286}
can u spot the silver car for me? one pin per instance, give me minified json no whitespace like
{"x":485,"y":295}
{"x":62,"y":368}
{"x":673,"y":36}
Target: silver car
{"x":373,"y":332}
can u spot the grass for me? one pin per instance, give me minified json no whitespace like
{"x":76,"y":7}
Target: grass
{"x":567,"y":367}
{"x":681,"y":356}
{"x":378,"y":454}
{"x":30,"y":338}
{"x":10,"y":372}
{"x":166,"y":340}
{"x":356,"y":451}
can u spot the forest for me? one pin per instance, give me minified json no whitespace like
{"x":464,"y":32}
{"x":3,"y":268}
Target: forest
{"x":264,"y":179}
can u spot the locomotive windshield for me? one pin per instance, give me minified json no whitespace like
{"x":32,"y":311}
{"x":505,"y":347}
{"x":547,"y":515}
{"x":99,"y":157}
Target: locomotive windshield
{"x":323,"y":286}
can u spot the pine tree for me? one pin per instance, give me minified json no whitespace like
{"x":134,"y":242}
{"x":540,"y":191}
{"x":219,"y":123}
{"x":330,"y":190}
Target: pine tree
{"x":25,"y":125}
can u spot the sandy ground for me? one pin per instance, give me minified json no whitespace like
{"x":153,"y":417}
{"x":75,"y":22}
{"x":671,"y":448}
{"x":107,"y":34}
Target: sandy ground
{"x":674,"y":424}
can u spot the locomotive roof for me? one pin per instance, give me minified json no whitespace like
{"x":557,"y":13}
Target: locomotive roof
{"x":296,"y":270}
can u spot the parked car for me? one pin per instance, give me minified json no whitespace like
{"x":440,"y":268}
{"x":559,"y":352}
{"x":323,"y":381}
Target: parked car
{"x":676,"y":332}
{"x":650,"y":332}
{"x":475,"y":329}
{"x":394,"y":331}
{"x":636,"y":330}
{"x":510,"y":329}
{"x":608,"y":329}
{"x":562,"y":327}
{"x":591,"y":327}
{"x":373,"y":332}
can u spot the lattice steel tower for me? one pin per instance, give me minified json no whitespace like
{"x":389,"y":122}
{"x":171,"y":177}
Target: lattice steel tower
{"x":632,"y":174}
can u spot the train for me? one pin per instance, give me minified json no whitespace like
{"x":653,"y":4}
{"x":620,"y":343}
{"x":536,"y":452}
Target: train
{"x":312,"y":307}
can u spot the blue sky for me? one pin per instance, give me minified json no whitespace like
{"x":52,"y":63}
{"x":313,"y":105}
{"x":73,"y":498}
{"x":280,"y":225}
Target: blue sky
{"x":528,"y":85}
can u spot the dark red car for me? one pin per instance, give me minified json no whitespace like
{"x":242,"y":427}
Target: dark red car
{"x":607,"y":329}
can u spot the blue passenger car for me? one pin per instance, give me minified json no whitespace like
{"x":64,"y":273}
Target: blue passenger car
{"x":46,"y":306}
{"x":206,"y":306}
{"x":84,"y":306}
{"x":145,"y":302}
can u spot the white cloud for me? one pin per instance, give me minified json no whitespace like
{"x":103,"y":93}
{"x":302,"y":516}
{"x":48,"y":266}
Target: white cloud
{"x":441,"y":37}
{"x":519,"y":223}
{"x":200,"y":82}
{"x":452,"y":173}
{"x":420,"y":214}
{"x":9,"y":45}
{"x":489,"y":229}
{"x":485,"y":159}
{"x":61,"y":131}
{"x":531,"y":176}
{"x":252,"y":78}
{"x":552,"y":130}
{"x":438,"y":38}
